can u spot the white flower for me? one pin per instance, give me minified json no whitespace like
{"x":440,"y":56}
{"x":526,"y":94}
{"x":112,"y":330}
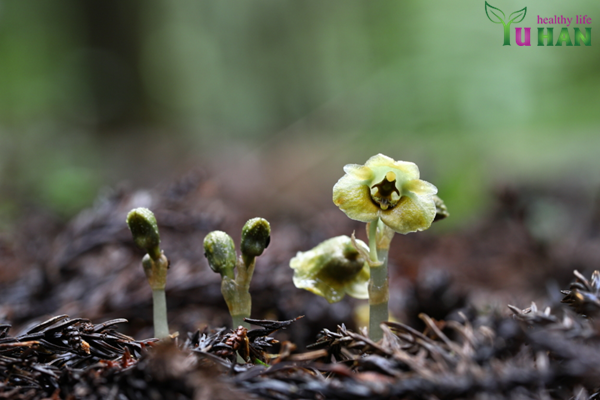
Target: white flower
{"x":333,"y":269}
{"x":389,"y":190}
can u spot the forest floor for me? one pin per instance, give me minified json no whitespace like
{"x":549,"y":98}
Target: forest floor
{"x":77,"y":309}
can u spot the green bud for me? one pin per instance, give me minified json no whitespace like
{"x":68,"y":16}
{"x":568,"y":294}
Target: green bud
{"x":441,"y":211}
{"x":144,"y":229}
{"x":219,"y":250}
{"x":256,"y":235}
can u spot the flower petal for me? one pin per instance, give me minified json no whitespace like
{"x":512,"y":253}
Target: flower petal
{"x":359,"y":287}
{"x":408,"y":169}
{"x":307,"y":275}
{"x":353,"y":197}
{"x":329,"y":270}
{"x":419,"y":187}
{"x":379,"y":160}
{"x":360,"y":172}
{"x":413,"y":213}
{"x":317,"y":286}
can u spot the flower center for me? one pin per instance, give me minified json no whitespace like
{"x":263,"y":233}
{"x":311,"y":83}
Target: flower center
{"x":385,"y":193}
{"x":342,"y":270}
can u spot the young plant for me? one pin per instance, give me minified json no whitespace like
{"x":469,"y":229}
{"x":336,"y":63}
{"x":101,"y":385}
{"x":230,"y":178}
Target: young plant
{"x":333,"y":269}
{"x":219,"y":250}
{"x":144,"y":229}
{"x":389,"y":196}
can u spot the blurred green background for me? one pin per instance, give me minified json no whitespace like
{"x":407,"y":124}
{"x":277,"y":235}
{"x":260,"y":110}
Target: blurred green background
{"x":275,"y":96}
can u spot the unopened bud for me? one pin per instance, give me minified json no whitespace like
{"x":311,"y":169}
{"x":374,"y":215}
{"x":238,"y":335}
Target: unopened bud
{"x":441,"y":211}
{"x":219,"y":250}
{"x":256,"y":235}
{"x":144,"y":229}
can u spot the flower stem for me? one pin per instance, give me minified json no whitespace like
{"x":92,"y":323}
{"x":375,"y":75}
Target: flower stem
{"x":378,"y":285}
{"x":378,"y":296}
{"x":236,"y":292}
{"x":238,"y":301}
{"x":373,"y":240}
{"x":159,"y":302}
{"x":239,"y":320}
{"x":244,"y":276}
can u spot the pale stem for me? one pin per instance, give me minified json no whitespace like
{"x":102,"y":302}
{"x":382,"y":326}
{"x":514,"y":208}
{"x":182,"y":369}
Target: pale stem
{"x":239,"y":320}
{"x":245,"y":270}
{"x":237,"y":294}
{"x":378,"y":286}
{"x":373,"y":240}
{"x":378,"y":296}
{"x":159,"y":305}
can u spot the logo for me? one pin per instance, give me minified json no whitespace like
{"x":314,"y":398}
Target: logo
{"x":545,"y":34}
{"x":515,"y":17}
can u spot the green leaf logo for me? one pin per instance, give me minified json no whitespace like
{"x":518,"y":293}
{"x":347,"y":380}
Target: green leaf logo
{"x":495,"y":12}
{"x":497,"y":16}
{"x":518,"y":16}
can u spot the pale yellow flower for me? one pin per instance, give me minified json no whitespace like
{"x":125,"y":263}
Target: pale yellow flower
{"x":389,"y":190}
{"x":333,"y":269}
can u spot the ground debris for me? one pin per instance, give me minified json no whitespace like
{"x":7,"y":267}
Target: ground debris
{"x":41,"y":361}
{"x":532,"y":354}
{"x":448,"y":345}
{"x":584,"y":295}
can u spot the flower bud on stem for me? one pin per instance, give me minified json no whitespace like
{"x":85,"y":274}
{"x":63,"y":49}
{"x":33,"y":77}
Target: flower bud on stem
{"x":220,"y":252}
{"x":144,"y":228}
{"x":256,"y":236}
